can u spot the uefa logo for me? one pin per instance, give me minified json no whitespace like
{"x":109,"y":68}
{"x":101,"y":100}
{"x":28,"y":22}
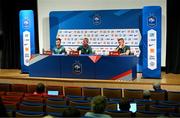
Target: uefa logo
{"x":152,"y":21}
{"x":96,"y":19}
{"x":77,"y":68}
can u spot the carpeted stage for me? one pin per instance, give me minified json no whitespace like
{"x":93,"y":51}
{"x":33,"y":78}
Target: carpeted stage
{"x":170,"y":82}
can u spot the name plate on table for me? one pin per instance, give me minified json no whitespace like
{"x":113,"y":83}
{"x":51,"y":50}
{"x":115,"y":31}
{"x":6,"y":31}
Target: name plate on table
{"x":114,"y":53}
{"x":47,"y":52}
{"x":74,"y":53}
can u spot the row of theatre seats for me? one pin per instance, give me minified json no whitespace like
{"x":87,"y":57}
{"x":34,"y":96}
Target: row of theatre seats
{"x":19,"y":101}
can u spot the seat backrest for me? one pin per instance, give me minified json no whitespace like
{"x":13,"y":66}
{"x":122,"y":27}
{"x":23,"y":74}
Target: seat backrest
{"x":11,"y":98}
{"x":91,"y":91}
{"x":111,"y":106}
{"x":80,"y":103}
{"x":148,"y":114}
{"x":112,"y":93}
{"x":19,"y":87}
{"x":29,"y":114}
{"x":33,"y":99}
{"x":161,"y":108}
{"x":2,"y":93}
{"x":55,"y":108}
{"x":77,"y":91}
{"x":133,"y":94}
{"x":156,"y":95}
{"x":52,"y":101}
{"x":10,"y":105}
{"x":4,"y":87}
{"x":25,"y":107}
{"x":15,"y":94}
{"x":118,"y":114}
{"x":174,"y":96}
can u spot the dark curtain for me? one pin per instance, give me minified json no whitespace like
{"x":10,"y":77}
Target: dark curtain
{"x":173,"y":37}
{"x":10,"y":37}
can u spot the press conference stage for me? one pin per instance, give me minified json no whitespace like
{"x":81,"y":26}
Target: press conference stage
{"x":169,"y":82}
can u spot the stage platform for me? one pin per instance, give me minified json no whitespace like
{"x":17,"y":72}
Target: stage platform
{"x":170,"y":82}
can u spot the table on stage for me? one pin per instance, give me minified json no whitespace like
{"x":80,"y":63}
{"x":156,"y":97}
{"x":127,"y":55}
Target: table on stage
{"x":84,"y":67}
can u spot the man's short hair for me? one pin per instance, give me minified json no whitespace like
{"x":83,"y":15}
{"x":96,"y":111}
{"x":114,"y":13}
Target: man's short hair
{"x":120,"y":39}
{"x":98,"y":104}
{"x":156,"y":86}
{"x":40,"y":88}
{"x":58,"y":39}
{"x":86,"y":39}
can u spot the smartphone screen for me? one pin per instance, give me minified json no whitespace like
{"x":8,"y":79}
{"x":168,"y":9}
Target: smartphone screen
{"x":133,"y":107}
{"x":53,"y":92}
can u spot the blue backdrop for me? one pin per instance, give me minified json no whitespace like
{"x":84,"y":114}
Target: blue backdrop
{"x":142,"y":19}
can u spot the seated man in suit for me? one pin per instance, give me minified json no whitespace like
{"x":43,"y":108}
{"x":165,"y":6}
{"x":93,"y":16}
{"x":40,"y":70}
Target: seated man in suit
{"x":122,"y":48}
{"x":59,"y":49}
{"x":85,"y":48}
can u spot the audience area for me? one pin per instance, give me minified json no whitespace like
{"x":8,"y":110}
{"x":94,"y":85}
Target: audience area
{"x":19,"y":100}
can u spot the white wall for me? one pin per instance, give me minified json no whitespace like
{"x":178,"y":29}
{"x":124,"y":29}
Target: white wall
{"x":45,"y":6}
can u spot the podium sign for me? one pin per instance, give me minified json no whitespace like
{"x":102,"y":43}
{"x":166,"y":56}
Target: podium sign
{"x":27,"y":41}
{"x":151,"y":29}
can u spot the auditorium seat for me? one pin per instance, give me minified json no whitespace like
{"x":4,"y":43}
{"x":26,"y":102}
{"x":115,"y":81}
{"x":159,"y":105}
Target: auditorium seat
{"x":158,"y":95}
{"x":112,"y":93}
{"x":2,"y":93}
{"x":144,"y":101}
{"x":162,"y":108}
{"x":5,"y":87}
{"x":83,"y":109}
{"x":56,"y":101}
{"x":174,"y":115}
{"x":91,"y":91}
{"x":133,"y":94}
{"x":11,"y":98}
{"x":54,"y":114}
{"x":112,"y":106}
{"x":21,"y":94}
{"x":56,"y":108}
{"x":19,"y":88}
{"x":80,"y":103}
{"x":144,"y":105}
{"x":174,"y":96}
{"x":76,"y":91}
{"x":35,"y":107}
{"x":10,"y":113}
{"x":118,"y":113}
{"x":150,"y":114}
{"x":11,"y":105}
{"x":23,"y":114}
{"x":171,"y":103}
{"x":70,"y":97}
{"x":33,"y":99}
